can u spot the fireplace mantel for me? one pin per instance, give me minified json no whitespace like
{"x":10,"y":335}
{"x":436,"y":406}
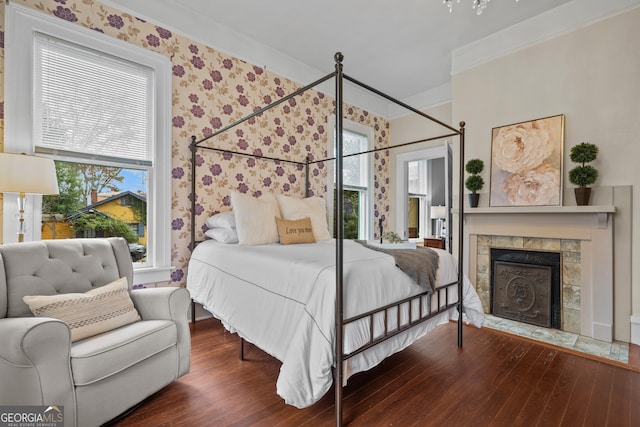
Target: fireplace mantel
{"x":588,"y":227}
{"x":541,"y":209}
{"x":602,"y":212}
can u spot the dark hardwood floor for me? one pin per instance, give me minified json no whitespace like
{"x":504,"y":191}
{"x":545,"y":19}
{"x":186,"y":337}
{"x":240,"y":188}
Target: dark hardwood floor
{"x":495,"y":379}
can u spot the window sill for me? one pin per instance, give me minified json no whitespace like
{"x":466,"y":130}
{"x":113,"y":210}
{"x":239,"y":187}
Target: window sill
{"x":143,"y":276}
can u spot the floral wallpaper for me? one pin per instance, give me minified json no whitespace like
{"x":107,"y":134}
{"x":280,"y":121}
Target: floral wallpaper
{"x":210,"y":90}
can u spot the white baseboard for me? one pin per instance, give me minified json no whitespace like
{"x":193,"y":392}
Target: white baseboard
{"x":602,"y":331}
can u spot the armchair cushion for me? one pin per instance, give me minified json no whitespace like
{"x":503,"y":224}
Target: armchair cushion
{"x":90,"y":313}
{"x":101,"y":356}
{"x":168,"y":304}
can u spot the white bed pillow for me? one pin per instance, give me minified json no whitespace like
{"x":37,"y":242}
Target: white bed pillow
{"x":222,"y":220}
{"x":222,"y":235}
{"x":312,"y":207}
{"x":255,"y":218}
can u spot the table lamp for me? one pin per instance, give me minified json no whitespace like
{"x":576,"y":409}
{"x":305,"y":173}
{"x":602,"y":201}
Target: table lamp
{"x":438,"y":213}
{"x":25,"y":174}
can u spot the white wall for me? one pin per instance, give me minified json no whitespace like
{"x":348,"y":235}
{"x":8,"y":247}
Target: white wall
{"x":592,"y":76}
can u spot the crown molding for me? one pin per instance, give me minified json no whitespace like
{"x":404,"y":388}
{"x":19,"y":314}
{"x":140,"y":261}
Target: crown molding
{"x":553,"y":23}
{"x":422,"y":101}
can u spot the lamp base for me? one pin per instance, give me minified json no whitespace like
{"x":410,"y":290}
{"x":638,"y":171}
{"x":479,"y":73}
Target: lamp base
{"x":22,"y":203}
{"x":438,"y":232}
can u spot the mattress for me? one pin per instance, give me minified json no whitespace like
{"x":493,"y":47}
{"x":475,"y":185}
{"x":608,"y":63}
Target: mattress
{"x":282,"y":299}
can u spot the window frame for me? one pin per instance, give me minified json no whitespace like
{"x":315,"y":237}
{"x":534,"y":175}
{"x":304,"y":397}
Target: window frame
{"x":366,"y":226}
{"x":21,"y":23}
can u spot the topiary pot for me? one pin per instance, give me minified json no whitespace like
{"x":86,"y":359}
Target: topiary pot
{"x":583,"y":194}
{"x":473,"y":199}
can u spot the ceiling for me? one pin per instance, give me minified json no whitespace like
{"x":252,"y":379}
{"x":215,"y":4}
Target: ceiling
{"x":401,"y":47}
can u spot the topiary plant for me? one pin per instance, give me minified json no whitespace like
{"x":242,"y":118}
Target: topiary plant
{"x":474,"y":181}
{"x":583,"y":175}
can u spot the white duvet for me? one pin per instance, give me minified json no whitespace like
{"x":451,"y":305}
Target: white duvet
{"x":282,"y":299}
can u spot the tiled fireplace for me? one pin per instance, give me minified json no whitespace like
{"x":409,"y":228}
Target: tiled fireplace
{"x":583,"y":238}
{"x":569,"y":296}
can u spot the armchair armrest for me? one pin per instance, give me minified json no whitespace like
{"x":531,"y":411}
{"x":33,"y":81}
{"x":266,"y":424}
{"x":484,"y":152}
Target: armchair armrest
{"x":168,"y":303}
{"x":35,"y":362}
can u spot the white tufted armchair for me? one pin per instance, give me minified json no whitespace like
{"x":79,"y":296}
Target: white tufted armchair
{"x":99,"y":377}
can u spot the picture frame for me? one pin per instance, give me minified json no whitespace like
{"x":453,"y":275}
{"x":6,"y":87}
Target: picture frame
{"x":526,"y":163}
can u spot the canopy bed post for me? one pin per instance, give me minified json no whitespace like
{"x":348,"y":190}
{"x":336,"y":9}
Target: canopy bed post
{"x":306,"y":177}
{"x":193,"y":147}
{"x":460,"y":231}
{"x":339,"y":243}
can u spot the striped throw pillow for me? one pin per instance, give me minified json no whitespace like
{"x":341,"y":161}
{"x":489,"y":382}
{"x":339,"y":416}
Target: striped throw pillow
{"x":91,"y":313}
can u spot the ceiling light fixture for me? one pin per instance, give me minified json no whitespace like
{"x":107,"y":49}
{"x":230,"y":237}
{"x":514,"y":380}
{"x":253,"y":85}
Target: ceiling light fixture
{"x":478,"y":5}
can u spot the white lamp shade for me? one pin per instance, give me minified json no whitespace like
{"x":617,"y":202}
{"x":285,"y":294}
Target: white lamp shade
{"x":21,"y":173}
{"x":438,"y":212}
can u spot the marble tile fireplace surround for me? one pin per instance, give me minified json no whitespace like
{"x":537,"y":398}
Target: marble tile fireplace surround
{"x":584,"y":238}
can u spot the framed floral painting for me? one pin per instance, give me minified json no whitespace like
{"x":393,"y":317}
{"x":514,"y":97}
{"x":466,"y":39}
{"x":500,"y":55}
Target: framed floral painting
{"x":526,"y":163}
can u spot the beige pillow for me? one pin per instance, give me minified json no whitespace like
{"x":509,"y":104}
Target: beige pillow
{"x":312,"y":207}
{"x":91,"y":313}
{"x":255,"y":218}
{"x":295,"y":231}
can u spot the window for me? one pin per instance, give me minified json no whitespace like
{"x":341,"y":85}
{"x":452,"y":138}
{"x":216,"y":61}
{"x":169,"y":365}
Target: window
{"x":137,"y":228}
{"x":97,"y":102}
{"x":90,"y":234}
{"x":357,"y":180}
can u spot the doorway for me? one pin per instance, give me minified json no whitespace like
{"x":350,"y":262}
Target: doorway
{"x":423,"y":187}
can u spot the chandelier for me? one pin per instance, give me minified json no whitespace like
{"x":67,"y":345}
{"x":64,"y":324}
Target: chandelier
{"x":478,"y":5}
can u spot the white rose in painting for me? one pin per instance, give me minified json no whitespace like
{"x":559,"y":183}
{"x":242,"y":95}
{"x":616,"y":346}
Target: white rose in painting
{"x":534,"y":187}
{"x":521,"y":147}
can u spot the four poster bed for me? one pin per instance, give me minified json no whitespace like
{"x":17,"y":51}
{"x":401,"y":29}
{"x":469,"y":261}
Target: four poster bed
{"x":324,"y":307}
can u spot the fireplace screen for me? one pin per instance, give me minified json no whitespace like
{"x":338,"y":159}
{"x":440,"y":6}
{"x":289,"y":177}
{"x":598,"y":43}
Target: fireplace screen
{"x":522,"y":292}
{"x":525,"y":286}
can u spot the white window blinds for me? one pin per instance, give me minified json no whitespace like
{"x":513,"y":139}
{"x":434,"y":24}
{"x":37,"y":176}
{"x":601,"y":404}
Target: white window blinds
{"x":355,"y":171}
{"x":89,"y":104}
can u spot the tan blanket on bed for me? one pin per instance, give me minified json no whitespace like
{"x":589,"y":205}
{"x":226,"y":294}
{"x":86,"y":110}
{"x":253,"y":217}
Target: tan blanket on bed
{"x":421,"y":263}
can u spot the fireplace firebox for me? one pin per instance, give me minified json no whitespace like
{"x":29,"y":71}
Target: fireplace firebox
{"x":526,"y":286}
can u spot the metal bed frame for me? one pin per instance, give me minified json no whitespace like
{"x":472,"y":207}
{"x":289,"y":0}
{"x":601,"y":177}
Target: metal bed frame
{"x":422,"y":300}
